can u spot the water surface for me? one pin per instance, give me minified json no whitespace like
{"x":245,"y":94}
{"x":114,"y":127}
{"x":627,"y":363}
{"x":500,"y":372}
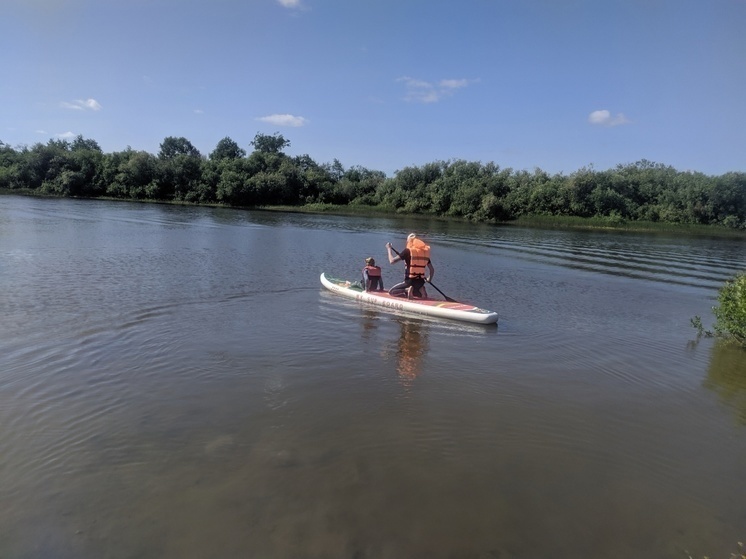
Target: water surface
{"x":174,"y":382}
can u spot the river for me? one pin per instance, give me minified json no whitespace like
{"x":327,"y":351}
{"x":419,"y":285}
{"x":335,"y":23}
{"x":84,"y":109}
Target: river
{"x":175,"y":383}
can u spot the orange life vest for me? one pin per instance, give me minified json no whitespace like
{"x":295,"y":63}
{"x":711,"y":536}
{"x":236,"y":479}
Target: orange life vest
{"x":373,"y":271}
{"x":419,"y":256}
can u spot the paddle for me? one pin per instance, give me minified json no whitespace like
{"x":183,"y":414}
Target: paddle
{"x":447,"y":298}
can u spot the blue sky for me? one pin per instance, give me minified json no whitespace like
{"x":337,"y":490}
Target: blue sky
{"x":385,"y":84}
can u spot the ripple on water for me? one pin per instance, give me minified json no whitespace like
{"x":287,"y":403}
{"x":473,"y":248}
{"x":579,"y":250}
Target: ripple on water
{"x":158,"y":379}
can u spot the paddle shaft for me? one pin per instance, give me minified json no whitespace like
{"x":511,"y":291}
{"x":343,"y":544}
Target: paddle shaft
{"x":447,"y":298}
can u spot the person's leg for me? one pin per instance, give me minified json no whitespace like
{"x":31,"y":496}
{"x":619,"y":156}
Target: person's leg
{"x":418,"y":288}
{"x":399,"y":290}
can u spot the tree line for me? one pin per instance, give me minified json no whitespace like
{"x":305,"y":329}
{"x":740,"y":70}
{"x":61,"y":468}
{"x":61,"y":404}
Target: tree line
{"x":229,"y":175}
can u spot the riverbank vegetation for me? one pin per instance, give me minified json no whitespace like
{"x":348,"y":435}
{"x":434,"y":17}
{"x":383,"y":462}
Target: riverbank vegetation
{"x":628,"y":195}
{"x":730,"y":312}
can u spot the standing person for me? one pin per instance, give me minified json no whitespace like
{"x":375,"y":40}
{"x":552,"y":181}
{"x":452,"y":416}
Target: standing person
{"x":372,"y":276}
{"x":417,"y":258}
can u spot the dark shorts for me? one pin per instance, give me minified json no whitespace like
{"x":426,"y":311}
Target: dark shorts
{"x":400,"y":289}
{"x":415,"y":282}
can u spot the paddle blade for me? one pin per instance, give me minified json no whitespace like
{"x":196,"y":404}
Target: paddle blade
{"x":446,"y":297}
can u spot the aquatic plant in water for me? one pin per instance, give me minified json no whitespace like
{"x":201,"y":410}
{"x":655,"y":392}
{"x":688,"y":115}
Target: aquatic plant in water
{"x":730,"y":312}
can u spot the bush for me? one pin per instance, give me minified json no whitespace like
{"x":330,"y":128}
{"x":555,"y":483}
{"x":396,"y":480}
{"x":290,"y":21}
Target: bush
{"x":730,"y":313}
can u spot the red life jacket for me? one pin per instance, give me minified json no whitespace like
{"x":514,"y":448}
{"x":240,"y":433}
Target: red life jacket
{"x":373,"y":271}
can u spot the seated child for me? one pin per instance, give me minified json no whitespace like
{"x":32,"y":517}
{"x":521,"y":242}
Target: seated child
{"x":372,"y":278}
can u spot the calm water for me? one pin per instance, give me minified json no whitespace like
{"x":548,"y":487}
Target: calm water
{"x":174,"y":383}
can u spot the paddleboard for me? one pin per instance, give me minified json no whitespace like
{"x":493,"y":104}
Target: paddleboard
{"x":431,"y":307}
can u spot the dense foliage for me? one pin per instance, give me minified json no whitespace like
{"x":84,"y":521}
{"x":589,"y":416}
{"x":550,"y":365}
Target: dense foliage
{"x":641,"y":191}
{"x":730,"y":312}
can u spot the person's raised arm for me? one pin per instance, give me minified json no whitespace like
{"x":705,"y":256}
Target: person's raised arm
{"x":393,"y":258}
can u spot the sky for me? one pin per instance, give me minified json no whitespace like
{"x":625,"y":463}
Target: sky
{"x":558,"y":85}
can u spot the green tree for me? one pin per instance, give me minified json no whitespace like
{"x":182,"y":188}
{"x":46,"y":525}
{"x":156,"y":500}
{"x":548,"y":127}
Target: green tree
{"x":638,"y":191}
{"x":227,"y":149}
{"x":8,"y":165}
{"x":518,"y":196}
{"x":607,"y":201}
{"x":267,"y":188}
{"x":172,"y":147}
{"x":232,"y":184}
{"x":270,"y":144}
{"x":208,"y":185}
{"x":179,"y":170}
{"x":363,"y":183}
{"x":82,"y":144}
{"x":408,"y":190}
{"x":728,"y":200}
{"x":49,"y":163}
{"x":581,"y":184}
{"x":547,"y":195}
{"x":135,"y":174}
{"x":177,"y":178}
{"x":315,"y":179}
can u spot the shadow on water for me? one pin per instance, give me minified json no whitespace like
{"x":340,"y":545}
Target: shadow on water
{"x":726,"y":376}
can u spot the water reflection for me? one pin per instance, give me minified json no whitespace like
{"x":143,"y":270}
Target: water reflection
{"x":413,"y":343}
{"x":409,"y":349}
{"x":726,"y":376}
{"x":369,"y":321}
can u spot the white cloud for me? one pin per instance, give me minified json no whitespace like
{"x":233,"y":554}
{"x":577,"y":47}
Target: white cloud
{"x":422,"y":91}
{"x":453,"y":84}
{"x":82,"y":105}
{"x":198,"y":111}
{"x":604,"y":118}
{"x":284,"y":120}
{"x":65,"y":135}
{"x":289,"y":3}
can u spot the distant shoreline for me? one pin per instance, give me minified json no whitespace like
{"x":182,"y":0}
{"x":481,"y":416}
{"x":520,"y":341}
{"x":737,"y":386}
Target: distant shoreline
{"x":537,"y":221}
